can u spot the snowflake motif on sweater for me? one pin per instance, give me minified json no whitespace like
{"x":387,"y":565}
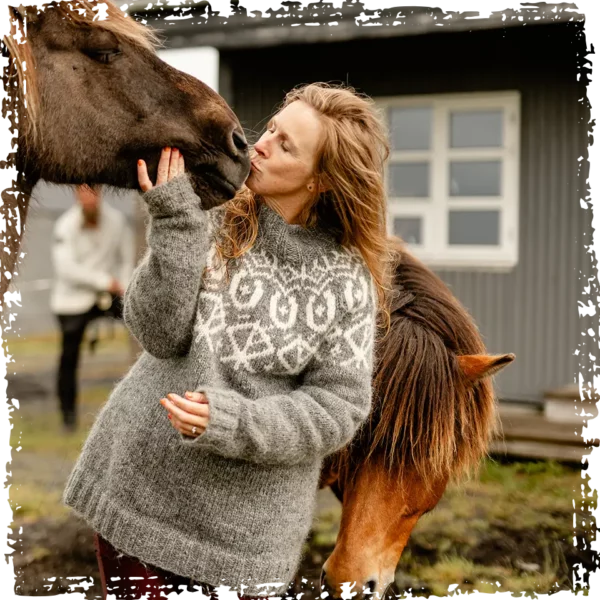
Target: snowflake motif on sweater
{"x":273,"y":316}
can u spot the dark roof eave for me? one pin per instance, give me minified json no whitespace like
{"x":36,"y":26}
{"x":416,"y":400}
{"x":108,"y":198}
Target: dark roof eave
{"x":294,"y":24}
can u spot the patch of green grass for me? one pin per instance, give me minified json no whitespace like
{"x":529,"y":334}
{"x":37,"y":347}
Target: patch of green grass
{"x":581,"y":591}
{"x":454,"y":570}
{"x":544,"y":485}
{"x":49,"y":343}
{"x":30,"y":502}
{"x":42,"y":431}
{"x":38,"y":431}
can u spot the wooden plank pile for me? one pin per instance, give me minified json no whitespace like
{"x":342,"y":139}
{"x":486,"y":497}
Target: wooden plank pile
{"x":554,"y":433}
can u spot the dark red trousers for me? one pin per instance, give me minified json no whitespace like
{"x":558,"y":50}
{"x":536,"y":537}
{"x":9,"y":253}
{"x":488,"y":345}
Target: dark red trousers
{"x":126,"y":578}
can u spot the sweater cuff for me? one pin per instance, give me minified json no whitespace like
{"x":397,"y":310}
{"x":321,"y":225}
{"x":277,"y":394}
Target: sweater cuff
{"x":223,"y":419}
{"x":173,"y":197}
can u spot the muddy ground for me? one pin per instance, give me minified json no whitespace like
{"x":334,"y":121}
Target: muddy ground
{"x":510,"y":530}
{"x":51,"y":550}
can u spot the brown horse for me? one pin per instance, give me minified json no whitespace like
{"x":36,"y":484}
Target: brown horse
{"x":98,"y":98}
{"x":433,"y":414}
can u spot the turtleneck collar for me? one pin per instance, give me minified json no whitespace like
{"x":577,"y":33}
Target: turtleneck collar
{"x":292,"y":243}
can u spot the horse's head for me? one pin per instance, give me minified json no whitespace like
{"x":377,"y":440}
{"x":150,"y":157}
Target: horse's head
{"x":99,"y":98}
{"x":382,"y":505}
{"x":432,"y":419}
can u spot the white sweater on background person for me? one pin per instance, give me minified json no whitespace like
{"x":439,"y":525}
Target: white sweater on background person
{"x":86,"y":259}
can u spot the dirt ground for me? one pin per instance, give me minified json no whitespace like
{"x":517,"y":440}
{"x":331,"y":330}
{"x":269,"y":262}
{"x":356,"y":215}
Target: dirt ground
{"x":510,"y":530}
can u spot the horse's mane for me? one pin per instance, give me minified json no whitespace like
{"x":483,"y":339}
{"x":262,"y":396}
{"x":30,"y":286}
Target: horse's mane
{"x":426,"y":417}
{"x":22,"y":73}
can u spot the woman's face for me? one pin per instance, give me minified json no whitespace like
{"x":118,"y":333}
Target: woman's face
{"x":284,"y":159}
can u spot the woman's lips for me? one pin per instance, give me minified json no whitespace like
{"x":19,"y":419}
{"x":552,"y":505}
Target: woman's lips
{"x":254,"y":166}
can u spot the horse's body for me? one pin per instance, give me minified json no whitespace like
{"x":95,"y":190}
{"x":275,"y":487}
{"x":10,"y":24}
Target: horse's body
{"x":98,"y":99}
{"x":433,"y":415}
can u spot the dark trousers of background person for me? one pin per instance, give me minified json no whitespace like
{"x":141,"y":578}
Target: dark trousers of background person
{"x":73,"y":328}
{"x":126,"y":578}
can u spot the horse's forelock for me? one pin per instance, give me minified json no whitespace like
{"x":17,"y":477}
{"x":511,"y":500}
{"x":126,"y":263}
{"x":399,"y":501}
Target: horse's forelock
{"x":118,"y":22}
{"x":21,"y":71}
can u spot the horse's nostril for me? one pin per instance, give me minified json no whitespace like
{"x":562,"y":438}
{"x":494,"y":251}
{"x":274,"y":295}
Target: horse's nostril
{"x":371,"y":585}
{"x":325,"y":587}
{"x":322,"y":578}
{"x":239,"y":141}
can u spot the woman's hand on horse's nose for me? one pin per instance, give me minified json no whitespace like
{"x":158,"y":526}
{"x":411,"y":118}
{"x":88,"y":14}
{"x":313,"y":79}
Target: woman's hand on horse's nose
{"x":170,"y":165}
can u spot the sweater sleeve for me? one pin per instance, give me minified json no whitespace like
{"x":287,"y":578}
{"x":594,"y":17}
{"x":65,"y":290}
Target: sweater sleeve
{"x":160,"y":302}
{"x":318,"y":418}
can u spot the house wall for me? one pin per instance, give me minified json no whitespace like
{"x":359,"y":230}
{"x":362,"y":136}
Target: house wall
{"x":532,"y":309}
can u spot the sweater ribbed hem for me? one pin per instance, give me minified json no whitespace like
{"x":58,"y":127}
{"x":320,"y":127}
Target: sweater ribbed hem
{"x":154,"y":544}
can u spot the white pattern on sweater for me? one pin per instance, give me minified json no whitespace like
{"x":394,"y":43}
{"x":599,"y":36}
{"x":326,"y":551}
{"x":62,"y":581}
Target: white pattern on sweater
{"x":279,"y":331}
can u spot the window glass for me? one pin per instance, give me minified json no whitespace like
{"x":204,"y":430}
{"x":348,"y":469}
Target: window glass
{"x":475,"y":178}
{"x":475,"y":227}
{"x":476,"y":129}
{"x":409,"y":180}
{"x":409,"y":229}
{"x":410,"y":128}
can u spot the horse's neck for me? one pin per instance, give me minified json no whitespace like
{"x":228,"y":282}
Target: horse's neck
{"x":14,"y":202}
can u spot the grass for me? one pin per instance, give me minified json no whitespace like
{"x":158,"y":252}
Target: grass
{"x":36,"y":426}
{"x":507,"y":531}
{"x":41,"y":431}
{"x":49,"y":343}
{"x":38,"y":353}
{"x":39,"y":434}
{"x":31,"y":502}
{"x":452,"y":573}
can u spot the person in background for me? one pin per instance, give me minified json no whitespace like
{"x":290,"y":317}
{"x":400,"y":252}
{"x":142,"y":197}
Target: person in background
{"x":93,"y":256}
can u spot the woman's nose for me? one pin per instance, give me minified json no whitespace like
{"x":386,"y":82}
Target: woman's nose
{"x":261,"y":147}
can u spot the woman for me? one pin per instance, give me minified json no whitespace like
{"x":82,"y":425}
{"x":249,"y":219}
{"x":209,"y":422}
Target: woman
{"x":258,"y":321}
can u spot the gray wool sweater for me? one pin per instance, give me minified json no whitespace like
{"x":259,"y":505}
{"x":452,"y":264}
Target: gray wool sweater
{"x":283,"y":352}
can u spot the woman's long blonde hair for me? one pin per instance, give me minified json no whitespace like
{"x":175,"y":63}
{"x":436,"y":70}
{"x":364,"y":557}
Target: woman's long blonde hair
{"x":350,"y":167}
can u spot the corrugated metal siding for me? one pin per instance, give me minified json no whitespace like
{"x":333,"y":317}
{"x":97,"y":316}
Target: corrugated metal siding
{"x":532,"y":310}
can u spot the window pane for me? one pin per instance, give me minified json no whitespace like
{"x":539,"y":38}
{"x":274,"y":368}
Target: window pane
{"x":476,"y":129}
{"x":409,"y":229}
{"x":474,"y":227}
{"x":410,"y":128}
{"x":475,"y":178}
{"x":409,"y":180}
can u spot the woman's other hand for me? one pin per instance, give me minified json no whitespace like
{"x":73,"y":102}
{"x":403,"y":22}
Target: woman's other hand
{"x":189,"y":416}
{"x":170,"y":165}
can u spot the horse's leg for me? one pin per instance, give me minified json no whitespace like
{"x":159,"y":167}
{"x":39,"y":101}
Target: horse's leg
{"x":14,"y":202}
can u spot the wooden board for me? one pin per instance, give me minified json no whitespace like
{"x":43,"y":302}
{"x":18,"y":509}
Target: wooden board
{"x":537,"y":427}
{"x":527,"y":433}
{"x":542,"y":450}
{"x":571,"y":392}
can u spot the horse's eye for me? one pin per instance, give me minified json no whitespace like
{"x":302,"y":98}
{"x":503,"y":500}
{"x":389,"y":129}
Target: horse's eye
{"x":102,"y":56}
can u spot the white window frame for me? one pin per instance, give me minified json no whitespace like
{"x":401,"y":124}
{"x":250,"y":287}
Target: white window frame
{"x":434,"y":211}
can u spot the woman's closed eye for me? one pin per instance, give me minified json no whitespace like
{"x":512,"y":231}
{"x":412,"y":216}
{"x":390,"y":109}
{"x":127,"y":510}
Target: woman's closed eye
{"x":282,"y":144}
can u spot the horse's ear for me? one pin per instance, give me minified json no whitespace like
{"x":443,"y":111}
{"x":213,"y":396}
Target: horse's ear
{"x":479,"y":366}
{"x":28,"y":11}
